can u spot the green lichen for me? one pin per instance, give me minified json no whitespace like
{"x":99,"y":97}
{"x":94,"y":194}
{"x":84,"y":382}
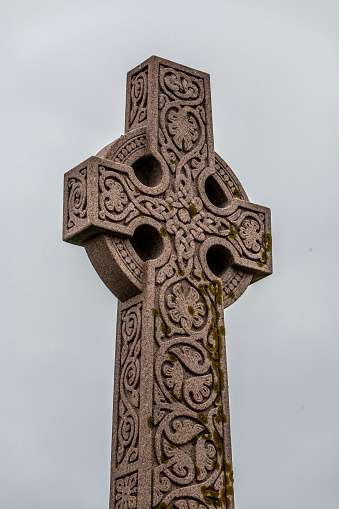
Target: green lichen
{"x":173,"y":298}
{"x":220,"y":417}
{"x":141,"y":215}
{"x":202,"y":417}
{"x":210,"y":496}
{"x":172,"y":357}
{"x":155,"y":312}
{"x":192,"y":210}
{"x":163,"y":459}
{"x":228,"y":467}
{"x":203,"y":289}
{"x":170,"y":206}
{"x":150,"y":422}
{"x":191,"y":310}
{"x":194,"y":440}
{"x":163,"y":232}
{"x":218,"y":291}
{"x":166,"y":330}
{"x":231,"y":295}
{"x":175,"y":397}
{"x":136,"y":189}
{"x":197,"y":470}
{"x":266,"y":244}
{"x":233,"y":230}
{"x":203,"y":305}
{"x":236,"y":192}
{"x":162,"y":505}
{"x":219,"y":443}
{"x":181,"y":272}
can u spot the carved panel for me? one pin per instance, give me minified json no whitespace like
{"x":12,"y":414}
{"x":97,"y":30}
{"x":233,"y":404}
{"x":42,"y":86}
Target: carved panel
{"x":129,"y":385}
{"x":188,"y":418}
{"x":126,"y":492}
{"x":138,"y":100}
{"x":77,"y":197}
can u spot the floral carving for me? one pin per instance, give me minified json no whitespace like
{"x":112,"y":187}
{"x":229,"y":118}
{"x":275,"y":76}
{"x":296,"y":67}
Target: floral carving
{"x":186,"y":309}
{"x":112,"y":197}
{"x":249,"y":232}
{"x":180,"y":85}
{"x":183,"y":126}
{"x":126,"y":492}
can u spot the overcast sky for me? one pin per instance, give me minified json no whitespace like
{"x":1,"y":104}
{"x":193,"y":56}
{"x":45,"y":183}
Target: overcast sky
{"x":274,"y":76}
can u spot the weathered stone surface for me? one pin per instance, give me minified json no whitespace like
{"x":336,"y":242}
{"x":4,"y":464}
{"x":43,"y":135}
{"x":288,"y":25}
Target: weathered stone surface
{"x":170,"y":231}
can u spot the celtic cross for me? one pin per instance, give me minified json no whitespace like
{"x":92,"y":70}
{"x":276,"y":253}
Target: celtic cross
{"x":170,"y":231}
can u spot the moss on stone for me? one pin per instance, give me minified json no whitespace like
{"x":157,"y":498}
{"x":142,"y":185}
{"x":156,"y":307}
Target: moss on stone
{"x":150,"y":422}
{"x":192,"y":210}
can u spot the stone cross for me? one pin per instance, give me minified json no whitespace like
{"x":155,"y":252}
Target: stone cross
{"x":170,"y":231}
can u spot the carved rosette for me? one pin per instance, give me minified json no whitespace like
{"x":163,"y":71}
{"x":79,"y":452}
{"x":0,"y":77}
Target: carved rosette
{"x":126,"y":489}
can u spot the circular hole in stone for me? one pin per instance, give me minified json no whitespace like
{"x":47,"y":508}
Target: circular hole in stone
{"x":218,"y":259}
{"x":147,"y":242}
{"x":148,"y":171}
{"x":214,"y":192}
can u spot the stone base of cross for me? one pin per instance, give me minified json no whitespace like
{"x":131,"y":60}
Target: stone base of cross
{"x":170,"y":231}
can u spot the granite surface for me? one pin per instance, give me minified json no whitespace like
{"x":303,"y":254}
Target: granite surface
{"x":170,"y":231}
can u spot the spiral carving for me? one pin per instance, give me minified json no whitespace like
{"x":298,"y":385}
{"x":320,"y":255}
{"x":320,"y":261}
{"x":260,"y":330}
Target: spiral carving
{"x":77,"y":197}
{"x":128,"y":423}
{"x":139,"y":89}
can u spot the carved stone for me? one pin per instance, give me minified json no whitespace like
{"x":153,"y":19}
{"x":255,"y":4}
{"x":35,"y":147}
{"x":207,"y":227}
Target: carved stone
{"x":170,"y":231}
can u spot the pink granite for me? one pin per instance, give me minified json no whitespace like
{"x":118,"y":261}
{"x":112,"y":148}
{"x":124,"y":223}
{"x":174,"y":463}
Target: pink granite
{"x":170,"y":231}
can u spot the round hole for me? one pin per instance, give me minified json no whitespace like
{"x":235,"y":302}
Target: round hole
{"x":218,"y":259}
{"x":147,"y":242}
{"x":214,"y":192}
{"x":148,"y":171}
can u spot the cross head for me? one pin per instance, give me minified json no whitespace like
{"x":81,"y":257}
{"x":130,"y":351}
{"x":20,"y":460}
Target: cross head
{"x":170,"y":231}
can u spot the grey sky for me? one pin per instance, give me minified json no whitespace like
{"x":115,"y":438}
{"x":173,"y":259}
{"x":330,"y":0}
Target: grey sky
{"x":274,"y":76}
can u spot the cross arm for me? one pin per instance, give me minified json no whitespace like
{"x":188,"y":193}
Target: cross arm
{"x":100,"y":196}
{"x":249,"y":234}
